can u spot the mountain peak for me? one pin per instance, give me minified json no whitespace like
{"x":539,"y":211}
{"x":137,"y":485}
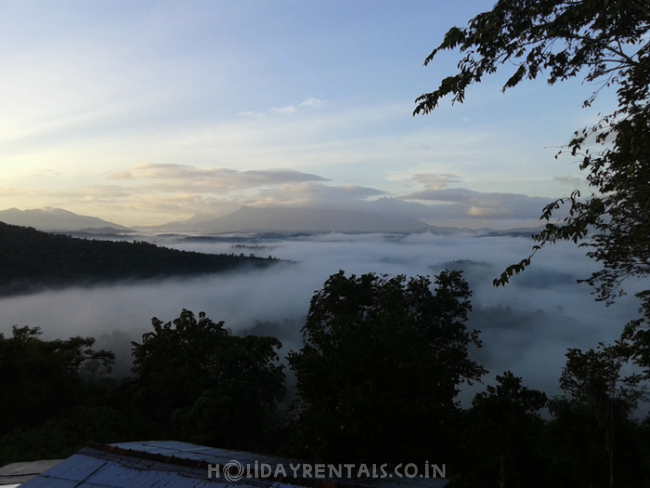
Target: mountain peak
{"x":55,"y":219}
{"x":299,"y":220}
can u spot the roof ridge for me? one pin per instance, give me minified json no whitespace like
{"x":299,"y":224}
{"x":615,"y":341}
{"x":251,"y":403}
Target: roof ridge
{"x":200,"y":464}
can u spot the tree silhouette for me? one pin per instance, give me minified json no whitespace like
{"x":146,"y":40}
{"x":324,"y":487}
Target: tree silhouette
{"x":40,"y":379}
{"x":197,"y":381}
{"x":594,"y":379}
{"x":607,"y":43}
{"x":506,"y":430}
{"x":380,"y":367}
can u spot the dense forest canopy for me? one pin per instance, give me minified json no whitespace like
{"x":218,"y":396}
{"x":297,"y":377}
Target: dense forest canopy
{"x":30,"y":258}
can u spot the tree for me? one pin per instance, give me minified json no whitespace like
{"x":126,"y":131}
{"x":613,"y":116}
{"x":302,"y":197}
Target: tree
{"x":605,"y":41}
{"x":40,"y":379}
{"x":199,"y":382}
{"x":507,"y":429}
{"x":593,"y":378}
{"x":380,"y":367}
{"x":579,"y":457}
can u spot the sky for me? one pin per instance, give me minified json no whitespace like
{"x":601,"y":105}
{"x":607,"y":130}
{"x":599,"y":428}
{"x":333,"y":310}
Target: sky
{"x":148,"y":112}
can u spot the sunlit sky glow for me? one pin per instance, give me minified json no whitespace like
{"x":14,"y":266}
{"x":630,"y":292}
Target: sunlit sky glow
{"x":148,"y":112}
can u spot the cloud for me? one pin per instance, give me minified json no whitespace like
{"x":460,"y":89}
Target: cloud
{"x":461,"y":203}
{"x":314,"y":195}
{"x":215,"y":179}
{"x":157,"y":208}
{"x":302,"y":195}
{"x":156,"y":193}
{"x":159,"y":193}
{"x":251,"y":114}
{"x":181,"y":191}
{"x":87,"y":194}
{"x":289,"y":109}
{"x":106,"y":191}
{"x":114,"y":202}
{"x":436,"y":181}
{"x":120,"y":175}
{"x":312,"y":103}
{"x":284,"y":110}
{"x":8,"y":191}
{"x":570,"y":180}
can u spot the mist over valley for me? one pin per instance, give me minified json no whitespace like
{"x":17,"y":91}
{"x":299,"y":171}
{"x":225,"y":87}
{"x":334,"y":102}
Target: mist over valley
{"x":525,"y":327}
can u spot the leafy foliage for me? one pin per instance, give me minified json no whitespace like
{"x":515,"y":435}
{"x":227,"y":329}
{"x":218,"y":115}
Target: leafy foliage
{"x":383,"y":359}
{"x":506,"y":433}
{"x":200,"y":383}
{"x":192,"y":381}
{"x":635,"y":340}
{"x":70,"y":431}
{"x":606,"y":42}
{"x":593,"y":379}
{"x":40,"y":379}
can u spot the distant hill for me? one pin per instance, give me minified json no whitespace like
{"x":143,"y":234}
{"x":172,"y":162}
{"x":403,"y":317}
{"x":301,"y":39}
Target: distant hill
{"x":31,"y":259}
{"x":298,"y":220}
{"x":518,"y":232}
{"x":57,"y":219}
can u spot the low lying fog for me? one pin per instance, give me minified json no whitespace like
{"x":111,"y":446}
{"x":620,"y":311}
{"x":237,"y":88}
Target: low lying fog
{"x":526,"y":327}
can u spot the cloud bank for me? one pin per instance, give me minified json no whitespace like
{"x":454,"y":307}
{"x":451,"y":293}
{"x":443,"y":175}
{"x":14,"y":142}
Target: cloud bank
{"x":158,"y":190}
{"x":211,"y":179}
{"x":525,"y":327}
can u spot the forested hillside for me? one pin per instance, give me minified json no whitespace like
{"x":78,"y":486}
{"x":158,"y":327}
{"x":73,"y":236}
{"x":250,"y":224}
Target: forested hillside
{"x":31,"y":258}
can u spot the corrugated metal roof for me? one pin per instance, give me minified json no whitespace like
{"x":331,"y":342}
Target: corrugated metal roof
{"x":17,"y":473}
{"x":174,"y":464}
{"x":211,"y":455}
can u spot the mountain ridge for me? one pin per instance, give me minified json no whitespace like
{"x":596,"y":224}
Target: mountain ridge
{"x":297,"y":220}
{"x":31,"y":260}
{"x":52,"y":219}
{"x":247,"y":220}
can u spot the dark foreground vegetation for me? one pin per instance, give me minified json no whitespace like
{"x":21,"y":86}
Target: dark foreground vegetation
{"x":377,"y":382}
{"x":592,"y":439}
{"x":30,"y":258}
